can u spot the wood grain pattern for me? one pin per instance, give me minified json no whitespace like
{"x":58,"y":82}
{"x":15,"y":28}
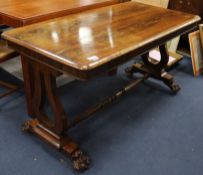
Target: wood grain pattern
{"x":17,"y":13}
{"x":91,"y":39}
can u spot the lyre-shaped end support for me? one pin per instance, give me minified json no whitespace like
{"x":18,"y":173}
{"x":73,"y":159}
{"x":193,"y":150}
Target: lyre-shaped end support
{"x":155,"y":69}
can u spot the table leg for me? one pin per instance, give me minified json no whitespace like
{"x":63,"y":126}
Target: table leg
{"x":42,"y":88}
{"x":155,"y":70}
{"x":28,"y":84}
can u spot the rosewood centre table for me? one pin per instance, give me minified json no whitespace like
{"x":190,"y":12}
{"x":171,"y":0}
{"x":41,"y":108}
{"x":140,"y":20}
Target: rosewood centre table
{"x":85,"y":46}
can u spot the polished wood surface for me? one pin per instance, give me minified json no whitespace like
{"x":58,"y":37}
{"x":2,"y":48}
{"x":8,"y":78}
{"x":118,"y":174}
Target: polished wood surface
{"x":17,"y":13}
{"x":86,"y":41}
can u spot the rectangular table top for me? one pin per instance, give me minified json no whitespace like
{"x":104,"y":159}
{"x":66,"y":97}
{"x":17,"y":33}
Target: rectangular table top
{"x":17,"y":13}
{"x":87,"y":41}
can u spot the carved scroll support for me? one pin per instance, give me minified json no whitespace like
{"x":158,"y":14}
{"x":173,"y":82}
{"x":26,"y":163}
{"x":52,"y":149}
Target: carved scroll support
{"x":51,"y":129}
{"x":155,"y":70}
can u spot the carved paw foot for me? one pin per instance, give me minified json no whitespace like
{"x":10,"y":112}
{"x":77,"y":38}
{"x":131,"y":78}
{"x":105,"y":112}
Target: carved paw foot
{"x":26,"y":126}
{"x":80,"y":161}
{"x":175,"y":87}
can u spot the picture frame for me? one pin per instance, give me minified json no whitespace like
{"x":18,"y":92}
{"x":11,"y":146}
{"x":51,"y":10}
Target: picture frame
{"x":201,"y":34}
{"x":196,"y":52}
